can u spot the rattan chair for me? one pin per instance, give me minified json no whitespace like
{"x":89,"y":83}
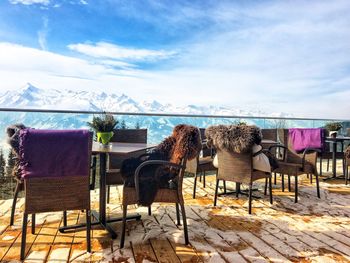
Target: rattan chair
{"x":202,"y":164}
{"x":238,"y":168}
{"x":347,"y":164}
{"x":296,"y":164}
{"x":164,"y":195}
{"x":113,"y":176}
{"x":55,"y":166}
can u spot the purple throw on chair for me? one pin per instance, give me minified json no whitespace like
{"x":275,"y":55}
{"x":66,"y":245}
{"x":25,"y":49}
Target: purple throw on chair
{"x":54,"y":153}
{"x":302,"y":138}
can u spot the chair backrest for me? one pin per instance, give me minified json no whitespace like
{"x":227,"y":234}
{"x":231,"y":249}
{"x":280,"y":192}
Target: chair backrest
{"x":291,"y":155}
{"x":130,"y":135}
{"x":126,"y":135}
{"x":235,"y":167}
{"x":55,"y":165}
{"x":205,"y":151}
{"x":269,"y":134}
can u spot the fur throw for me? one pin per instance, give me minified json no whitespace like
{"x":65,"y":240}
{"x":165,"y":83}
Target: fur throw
{"x":13,"y":140}
{"x":184,"y":142}
{"x":347,"y":153}
{"x":234,"y":138}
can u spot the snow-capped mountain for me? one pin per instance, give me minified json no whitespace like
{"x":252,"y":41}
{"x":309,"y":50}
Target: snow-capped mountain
{"x":30,"y":97}
{"x":33,"y":97}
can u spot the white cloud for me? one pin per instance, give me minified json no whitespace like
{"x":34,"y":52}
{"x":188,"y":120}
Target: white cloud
{"x":111,"y":51}
{"x":30,"y":2}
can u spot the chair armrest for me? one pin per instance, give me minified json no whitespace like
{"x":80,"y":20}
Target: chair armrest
{"x":306,"y":151}
{"x":282,"y":147}
{"x":152,"y":162}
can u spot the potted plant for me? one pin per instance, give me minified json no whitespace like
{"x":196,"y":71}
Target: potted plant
{"x":333,"y":128}
{"x":103,"y":125}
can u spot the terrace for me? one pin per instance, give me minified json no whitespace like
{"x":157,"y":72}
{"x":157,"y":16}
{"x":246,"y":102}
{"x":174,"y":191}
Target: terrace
{"x":312,"y":230}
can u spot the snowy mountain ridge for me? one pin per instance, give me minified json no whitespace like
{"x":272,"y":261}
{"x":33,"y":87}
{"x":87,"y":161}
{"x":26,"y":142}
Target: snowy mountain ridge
{"x":31,"y":97}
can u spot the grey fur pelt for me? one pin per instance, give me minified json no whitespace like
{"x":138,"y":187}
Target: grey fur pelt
{"x":13,"y":136}
{"x":233,"y":138}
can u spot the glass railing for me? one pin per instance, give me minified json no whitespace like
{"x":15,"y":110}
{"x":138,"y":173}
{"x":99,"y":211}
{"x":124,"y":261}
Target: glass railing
{"x":159,"y":125}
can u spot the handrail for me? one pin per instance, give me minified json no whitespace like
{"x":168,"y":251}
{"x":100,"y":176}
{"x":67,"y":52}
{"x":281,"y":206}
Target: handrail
{"x":165,"y":114}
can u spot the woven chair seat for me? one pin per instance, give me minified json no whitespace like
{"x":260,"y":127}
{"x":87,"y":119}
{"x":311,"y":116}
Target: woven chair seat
{"x":163,"y":195}
{"x":294,"y":168}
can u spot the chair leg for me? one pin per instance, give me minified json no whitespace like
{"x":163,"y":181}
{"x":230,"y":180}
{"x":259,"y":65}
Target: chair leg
{"x":296,"y":189}
{"x":33,"y":224}
{"x":270,"y":190}
{"x":177,"y":214}
{"x":238,"y":189}
{"x":88,"y":230}
{"x":265,"y":190}
{"x":311,"y":178}
{"x":216,"y":191}
{"x":317,"y":185}
{"x":275,"y":179}
{"x":321,"y":166}
{"x":327,"y":165}
{"x":289,"y":187}
{"x":203,"y":179}
{"x":149,"y":210}
{"x":346,"y":175}
{"x":24,"y":235}
{"x":122,"y":238}
{"x":250,"y":198}
{"x":13,"y":209}
{"x":64,"y":218}
{"x":282,"y":178}
{"x":224,"y":187}
{"x":194,"y":186}
{"x":108,"y":193}
{"x":183,"y":212}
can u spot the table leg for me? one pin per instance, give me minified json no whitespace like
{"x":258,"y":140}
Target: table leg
{"x":334,"y":159}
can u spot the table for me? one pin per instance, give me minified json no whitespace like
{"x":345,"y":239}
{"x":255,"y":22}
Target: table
{"x":115,"y":148}
{"x":334,"y":141}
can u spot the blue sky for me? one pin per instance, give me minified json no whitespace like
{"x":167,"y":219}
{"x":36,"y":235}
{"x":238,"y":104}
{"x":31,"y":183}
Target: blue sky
{"x":274,"y":56}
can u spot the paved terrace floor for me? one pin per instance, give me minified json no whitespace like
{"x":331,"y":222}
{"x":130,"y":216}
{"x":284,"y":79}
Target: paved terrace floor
{"x":314,"y":230}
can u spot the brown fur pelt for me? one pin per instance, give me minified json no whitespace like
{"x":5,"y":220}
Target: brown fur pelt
{"x":13,"y":140}
{"x":235,"y":138}
{"x":184,"y":142}
{"x":347,"y":153}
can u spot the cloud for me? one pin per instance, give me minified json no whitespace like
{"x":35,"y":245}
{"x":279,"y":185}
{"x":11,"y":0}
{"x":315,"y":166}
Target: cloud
{"x":42,"y":34}
{"x":110,"y":51}
{"x":30,"y":2}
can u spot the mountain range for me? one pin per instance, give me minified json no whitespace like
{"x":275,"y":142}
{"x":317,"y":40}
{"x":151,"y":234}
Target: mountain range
{"x":30,"y":97}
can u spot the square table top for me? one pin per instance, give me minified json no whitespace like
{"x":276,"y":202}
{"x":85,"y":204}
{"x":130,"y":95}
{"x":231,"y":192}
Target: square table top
{"x":120,"y":147}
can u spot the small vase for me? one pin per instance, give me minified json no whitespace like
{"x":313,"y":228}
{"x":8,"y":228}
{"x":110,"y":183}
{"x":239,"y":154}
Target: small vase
{"x":104,"y":137}
{"x":333,"y":134}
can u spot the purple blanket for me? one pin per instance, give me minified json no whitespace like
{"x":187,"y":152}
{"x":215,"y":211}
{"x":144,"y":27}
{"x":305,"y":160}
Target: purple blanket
{"x":302,"y":138}
{"x":54,"y":153}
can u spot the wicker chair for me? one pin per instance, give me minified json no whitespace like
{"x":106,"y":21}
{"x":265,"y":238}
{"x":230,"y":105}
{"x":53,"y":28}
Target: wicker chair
{"x":201,"y":165}
{"x":164,"y":195}
{"x":113,"y":176}
{"x":296,"y":164}
{"x":53,"y":167}
{"x":347,"y":164}
{"x":269,"y":134}
{"x":238,"y":168}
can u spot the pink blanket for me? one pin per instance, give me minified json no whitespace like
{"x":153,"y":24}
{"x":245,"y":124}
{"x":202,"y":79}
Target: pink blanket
{"x":302,"y":138}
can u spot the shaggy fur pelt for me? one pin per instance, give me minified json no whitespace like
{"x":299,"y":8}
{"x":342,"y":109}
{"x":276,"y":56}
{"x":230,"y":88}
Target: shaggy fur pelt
{"x":235,"y":138}
{"x":347,"y":153}
{"x":183,"y":143}
{"x":13,"y":140}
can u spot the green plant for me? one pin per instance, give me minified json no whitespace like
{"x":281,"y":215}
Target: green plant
{"x":240,"y":123}
{"x":333,"y":126}
{"x":103,"y":123}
